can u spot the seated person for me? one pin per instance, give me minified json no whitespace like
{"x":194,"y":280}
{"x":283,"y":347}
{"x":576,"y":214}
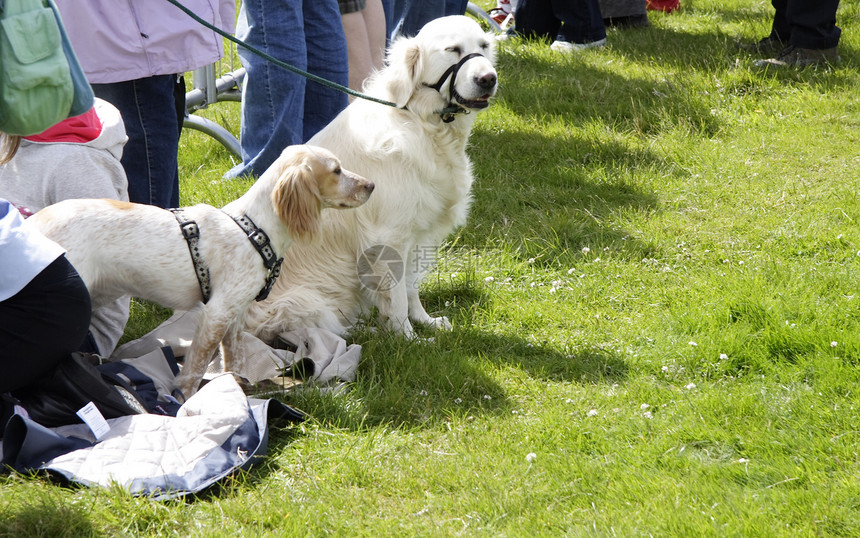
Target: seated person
{"x":44,"y":304}
{"x":77,"y":158}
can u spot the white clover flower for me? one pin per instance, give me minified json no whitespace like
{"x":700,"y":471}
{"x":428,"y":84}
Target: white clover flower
{"x":531,"y":261}
{"x":458,"y":401}
{"x":531,"y":457}
{"x":644,"y":406}
{"x":723,"y":356}
{"x":592,"y":413}
{"x":586,"y":250}
{"x":743,"y":460}
{"x":487,"y":397}
{"x":423,"y":393}
{"x":833,"y":344}
{"x":489,"y":279}
{"x":665,"y":369}
{"x":691,"y":386}
{"x":647,"y":414}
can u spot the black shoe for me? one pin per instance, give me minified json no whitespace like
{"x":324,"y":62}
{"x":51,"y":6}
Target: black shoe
{"x":770,"y":45}
{"x":797,"y":57}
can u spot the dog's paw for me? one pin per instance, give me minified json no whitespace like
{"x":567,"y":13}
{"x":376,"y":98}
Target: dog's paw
{"x":440,"y":323}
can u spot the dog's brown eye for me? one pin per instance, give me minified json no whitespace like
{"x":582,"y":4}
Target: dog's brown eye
{"x":337,"y":171}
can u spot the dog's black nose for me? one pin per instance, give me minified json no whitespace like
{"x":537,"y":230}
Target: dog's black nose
{"x":487,"y":81}
{"x":369,"y":187}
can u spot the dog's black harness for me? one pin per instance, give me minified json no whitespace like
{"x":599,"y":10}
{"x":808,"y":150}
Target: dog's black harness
{"x":191,"y":232}
{"x":261,"y":242}
{"x":448,"y":115}
{"x":256,"y":235}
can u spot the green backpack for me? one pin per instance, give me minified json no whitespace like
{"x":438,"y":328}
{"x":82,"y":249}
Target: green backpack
{"x":41,"y":81}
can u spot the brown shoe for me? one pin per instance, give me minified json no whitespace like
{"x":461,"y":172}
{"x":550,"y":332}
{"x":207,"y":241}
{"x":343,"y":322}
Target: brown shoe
{"x":767,"y":45}
{"x":797,"y":57}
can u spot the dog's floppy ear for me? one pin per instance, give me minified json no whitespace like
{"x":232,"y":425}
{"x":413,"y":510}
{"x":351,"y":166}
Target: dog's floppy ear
{"x":405,"y":65}
{"x":296,"y":198}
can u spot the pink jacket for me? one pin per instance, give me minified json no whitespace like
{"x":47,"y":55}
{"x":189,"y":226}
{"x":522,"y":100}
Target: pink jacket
{"x":119,"y":40}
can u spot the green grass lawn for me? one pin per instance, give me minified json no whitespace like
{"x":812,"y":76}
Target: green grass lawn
{"x":655,"y":308}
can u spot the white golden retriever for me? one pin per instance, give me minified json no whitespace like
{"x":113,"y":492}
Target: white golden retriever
{"x":121,"y":248}
{"x":378,"y":254}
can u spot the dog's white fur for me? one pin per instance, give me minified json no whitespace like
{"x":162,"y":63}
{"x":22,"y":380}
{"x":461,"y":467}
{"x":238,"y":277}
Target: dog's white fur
{"x":423,"y":183}
{"x":120,"y":248}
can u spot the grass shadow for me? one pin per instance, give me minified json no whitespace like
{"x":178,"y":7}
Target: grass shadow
{"x":586,"y":188}
{"x":46,"y":515}
{"x":423,"y":383}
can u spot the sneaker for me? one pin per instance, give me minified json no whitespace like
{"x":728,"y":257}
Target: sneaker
{"x":767,"y":45}
{"x":792,"y":56}
{"x":567,"y":46}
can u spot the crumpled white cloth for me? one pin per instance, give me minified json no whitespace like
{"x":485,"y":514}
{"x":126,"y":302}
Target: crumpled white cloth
{"x":324,"y":357}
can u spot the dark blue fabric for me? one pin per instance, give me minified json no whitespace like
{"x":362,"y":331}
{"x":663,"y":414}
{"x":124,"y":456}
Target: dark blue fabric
{"x":27,"y":445}
{"x":126,"y":375}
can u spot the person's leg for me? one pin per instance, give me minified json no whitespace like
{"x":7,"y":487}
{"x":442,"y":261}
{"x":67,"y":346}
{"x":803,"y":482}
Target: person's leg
{"x":358,"y":47}
{"x":365,"y":41}
{"x":411,"y":15}
{"x":781,"y":29}
{"x":42,"y":324}
{"x":272,"y":97}
{"x":814,"y":36}
{"x":813,"y":23}
{"x":388,"y":9}
{"x":534,"y":19}
{"x":150,"y":157}
{"x":374,"y":20}
{"x":326,"y":58}
{"x":581,"y":20}
{"x":455,"y":7}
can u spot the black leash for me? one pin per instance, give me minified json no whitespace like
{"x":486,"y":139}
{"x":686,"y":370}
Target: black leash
{"x":447,"y":111}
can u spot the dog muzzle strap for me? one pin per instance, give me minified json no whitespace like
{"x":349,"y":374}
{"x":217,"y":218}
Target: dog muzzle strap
{"x":447,"y":115}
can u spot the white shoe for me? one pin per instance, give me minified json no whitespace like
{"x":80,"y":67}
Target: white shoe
{"x":567,"y":46}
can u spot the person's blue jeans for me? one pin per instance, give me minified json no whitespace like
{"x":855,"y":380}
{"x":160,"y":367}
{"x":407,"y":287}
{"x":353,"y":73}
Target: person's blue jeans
{"x":279,"y":107}
{"x":152,"y":109}
{"x":409,"y":16}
